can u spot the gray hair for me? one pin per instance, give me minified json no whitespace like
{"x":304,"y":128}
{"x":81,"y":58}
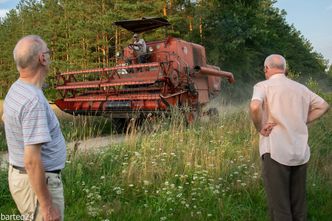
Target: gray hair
{"x":27,"y":50}
{"x":275,"y":61}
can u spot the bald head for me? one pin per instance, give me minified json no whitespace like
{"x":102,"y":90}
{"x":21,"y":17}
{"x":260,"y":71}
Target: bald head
{"x":27,"y":50}
{"x":276,"y":61}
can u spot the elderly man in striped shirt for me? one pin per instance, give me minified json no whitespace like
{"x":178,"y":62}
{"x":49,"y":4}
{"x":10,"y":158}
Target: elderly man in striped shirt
{"x":36,"y":146}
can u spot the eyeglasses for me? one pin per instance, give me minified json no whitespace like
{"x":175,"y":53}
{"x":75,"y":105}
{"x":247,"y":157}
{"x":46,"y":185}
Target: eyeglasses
{"x":48,"y":52}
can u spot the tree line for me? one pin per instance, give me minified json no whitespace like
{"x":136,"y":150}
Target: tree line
{"x":237,"y":34}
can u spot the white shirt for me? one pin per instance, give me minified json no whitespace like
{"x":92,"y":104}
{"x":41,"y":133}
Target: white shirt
{"x":286,"y":103}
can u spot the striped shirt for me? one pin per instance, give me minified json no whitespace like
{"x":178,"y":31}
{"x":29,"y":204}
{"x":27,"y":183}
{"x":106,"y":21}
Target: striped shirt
{"x":29,"y":119}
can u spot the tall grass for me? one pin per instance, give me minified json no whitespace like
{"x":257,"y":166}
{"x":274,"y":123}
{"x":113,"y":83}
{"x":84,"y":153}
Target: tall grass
{"x":170,"y":171}
{"x":76,"y":128}
{"x":200,"y":172}
{"x":208,"y":171}
{"x":3,"y":145}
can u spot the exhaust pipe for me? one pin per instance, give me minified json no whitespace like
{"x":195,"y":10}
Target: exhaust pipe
{"x":214,"y":72}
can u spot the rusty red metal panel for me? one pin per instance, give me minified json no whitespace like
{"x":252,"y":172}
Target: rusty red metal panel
{"x":76,"y":85}
{"x":114,"y":97}
{"x":214,"y":84}
{"x":134,"y":82}
{"x":96,"y":70}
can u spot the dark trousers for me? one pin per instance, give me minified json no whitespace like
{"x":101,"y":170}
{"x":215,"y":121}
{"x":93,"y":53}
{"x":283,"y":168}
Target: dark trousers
{"x":142,"y":59}
{"x":285,"y":188}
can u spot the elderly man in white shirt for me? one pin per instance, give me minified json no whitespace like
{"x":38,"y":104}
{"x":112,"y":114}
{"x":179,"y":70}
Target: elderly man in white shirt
{"x":280,"y":110}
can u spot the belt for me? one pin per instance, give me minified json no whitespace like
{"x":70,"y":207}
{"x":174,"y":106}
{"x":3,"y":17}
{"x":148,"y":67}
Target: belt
{"x":23,"y":170}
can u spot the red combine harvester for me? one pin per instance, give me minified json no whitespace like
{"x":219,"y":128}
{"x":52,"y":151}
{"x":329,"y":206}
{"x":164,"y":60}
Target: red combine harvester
{"x":174,"y":75}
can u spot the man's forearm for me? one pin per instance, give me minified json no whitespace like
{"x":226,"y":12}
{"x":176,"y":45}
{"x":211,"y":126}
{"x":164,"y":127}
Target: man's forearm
{"x":317,"y":113}
{"x":256,"y":115}
{"x":257,"y":121}
{"x":36,"y":173}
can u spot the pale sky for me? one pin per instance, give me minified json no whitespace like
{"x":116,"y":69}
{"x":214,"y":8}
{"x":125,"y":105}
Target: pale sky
{"x":311,"y":17}
{"x":6,"y":5}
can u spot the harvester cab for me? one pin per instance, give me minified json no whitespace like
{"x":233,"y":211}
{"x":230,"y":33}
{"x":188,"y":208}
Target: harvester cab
{"x":174,"y":74}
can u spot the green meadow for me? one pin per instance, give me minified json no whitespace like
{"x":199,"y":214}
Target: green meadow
{"x":167,"y":170}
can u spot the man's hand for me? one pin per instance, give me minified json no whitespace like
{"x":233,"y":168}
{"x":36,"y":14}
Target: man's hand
{"x":267,"y":129}
{"x":51,"y":214}
{"x":135,"y":46}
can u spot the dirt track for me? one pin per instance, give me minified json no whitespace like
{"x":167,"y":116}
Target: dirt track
{"x":83,"y":146}
{"x":92,"y":144}
{"x":95,"y":144}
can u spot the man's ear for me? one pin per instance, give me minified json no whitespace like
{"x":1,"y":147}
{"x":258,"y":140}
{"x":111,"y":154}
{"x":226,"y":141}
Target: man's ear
{"x":42,"y":59}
